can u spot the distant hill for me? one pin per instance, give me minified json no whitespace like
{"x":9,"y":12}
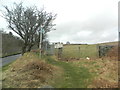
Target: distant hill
{"x":106,"y":43}
{"x":109,"y":43}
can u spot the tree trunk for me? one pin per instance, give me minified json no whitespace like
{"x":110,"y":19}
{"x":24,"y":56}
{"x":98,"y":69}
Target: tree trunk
{"x":29,"y":48}
{"x":38,"y":45}
{"x":23,"y":49}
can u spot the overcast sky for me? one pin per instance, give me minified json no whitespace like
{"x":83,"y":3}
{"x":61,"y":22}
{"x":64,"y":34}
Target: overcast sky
{"x":78,"y":21}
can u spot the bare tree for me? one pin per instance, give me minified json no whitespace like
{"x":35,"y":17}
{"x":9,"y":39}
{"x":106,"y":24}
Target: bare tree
{"x":27,"y":22}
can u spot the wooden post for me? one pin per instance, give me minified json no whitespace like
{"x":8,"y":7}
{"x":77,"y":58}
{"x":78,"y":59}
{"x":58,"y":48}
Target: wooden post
{"x":79,"y":49}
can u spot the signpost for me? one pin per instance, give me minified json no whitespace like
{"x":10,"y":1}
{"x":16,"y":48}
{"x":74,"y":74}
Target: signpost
{"x":40,"y":45}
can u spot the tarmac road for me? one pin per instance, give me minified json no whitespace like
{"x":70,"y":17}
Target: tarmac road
{"x":7,"y":60}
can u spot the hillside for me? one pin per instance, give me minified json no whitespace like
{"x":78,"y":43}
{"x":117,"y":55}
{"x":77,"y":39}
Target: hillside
{"x":10,"y":44}
{"x":109,"y":43}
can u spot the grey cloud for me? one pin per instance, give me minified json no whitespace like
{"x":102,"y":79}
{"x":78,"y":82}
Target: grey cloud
{"x":102,"y":28}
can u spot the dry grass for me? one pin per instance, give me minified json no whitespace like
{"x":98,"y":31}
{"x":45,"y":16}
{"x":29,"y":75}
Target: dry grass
{"x":106,"y":72}
{"x":30,"y":72}
{"x":107,"y":75}
{"x":113,"y":53}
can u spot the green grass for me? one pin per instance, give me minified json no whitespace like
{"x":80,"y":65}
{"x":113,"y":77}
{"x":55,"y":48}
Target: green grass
{"x":73,"y":77}
{"x":5,"y":67}
{"x":70,"y":51}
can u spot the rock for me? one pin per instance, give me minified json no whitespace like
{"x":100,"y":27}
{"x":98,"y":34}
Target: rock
{"x":87,"y":58}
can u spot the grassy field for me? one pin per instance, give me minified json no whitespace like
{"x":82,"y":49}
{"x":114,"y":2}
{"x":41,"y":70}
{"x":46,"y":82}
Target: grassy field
{"x":30,"y":71}
{"x":91,"y":51}
{"x":73,"y":51}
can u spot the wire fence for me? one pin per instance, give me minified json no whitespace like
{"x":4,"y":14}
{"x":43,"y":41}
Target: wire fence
{"x":77,"y":51}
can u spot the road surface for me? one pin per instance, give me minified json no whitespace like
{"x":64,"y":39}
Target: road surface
{"x":6,"y":60}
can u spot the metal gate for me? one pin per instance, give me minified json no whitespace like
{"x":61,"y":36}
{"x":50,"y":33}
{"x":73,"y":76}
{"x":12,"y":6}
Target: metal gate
{"x":104,"y":49}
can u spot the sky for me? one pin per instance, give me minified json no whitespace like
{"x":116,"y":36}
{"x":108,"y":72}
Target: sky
{"x":77,"y":21}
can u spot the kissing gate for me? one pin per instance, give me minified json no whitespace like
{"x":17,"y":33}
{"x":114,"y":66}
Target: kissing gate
{"x":53,"y":49}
